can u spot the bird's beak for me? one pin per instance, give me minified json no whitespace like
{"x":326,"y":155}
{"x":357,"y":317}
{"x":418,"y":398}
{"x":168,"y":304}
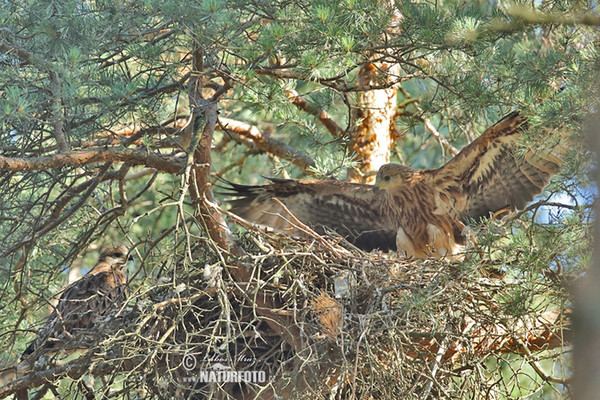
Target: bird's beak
{"x":130,"y":258}
{"x":376,"y":187}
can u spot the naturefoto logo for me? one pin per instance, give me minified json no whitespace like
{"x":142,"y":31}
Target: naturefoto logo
{"x":220,"y":373}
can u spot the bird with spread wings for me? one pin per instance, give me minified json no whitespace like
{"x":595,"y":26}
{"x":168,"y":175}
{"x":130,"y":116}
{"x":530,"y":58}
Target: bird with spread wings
{"x":421,"y":213}
{"x":96,"y":295}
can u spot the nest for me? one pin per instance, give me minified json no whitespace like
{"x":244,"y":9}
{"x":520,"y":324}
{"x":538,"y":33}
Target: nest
{"x":321,"y":319}
{"x":325,"y":320}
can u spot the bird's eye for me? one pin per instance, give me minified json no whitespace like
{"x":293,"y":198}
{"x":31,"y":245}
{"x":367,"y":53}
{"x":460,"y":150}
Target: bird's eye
{"x":119,"y":255}
{"x":387,"y":178}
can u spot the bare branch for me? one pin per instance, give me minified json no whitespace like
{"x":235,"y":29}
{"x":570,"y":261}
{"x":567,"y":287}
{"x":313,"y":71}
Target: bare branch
{"x":9,"y":46}
{"x":268,"y":144}
{"x":203,"y":119}
{"x":296,"y":223}
{"x":83,"y":157}
{"x":321,"y":114}
{"x":154,"y":35}
{"x":438,"y":136}
{"x":205,"y":112}
{"x":74,"y":370}
{"x":56,"y":218}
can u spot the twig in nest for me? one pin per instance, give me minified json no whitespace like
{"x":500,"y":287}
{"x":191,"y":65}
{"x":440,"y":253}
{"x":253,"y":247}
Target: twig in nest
{"x":186,"y":300}
{"x":536,"y":365}
{"x":436,"y":363}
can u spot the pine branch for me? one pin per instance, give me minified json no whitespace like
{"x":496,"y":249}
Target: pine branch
{"x":528,"y":15}
{"x":267,"y":144}
{"x":83,"y":157}
{"x":327,"y":121}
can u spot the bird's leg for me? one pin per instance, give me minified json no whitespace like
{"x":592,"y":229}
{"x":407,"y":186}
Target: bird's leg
{"x":404,"y":243}
{"x":436,"y":243}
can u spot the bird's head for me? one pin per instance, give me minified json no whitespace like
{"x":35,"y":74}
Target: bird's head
{"x":116,"y":254}
{"x":394,"y":175}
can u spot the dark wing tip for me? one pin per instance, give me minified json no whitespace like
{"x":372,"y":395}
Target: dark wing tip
{"x":30,"y":349}
{"x":511,"y":115}
{"x":511,"y":123}
{"x":235,"y":189}
{"x":277,"y":180}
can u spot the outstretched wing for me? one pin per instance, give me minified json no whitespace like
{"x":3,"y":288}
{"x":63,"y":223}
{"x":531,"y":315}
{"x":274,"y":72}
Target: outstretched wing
{"x":490,"y":174}
{"x":350,"y":209}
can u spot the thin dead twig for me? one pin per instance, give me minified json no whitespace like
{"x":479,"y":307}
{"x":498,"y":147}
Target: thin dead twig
{"x":339,"y":251}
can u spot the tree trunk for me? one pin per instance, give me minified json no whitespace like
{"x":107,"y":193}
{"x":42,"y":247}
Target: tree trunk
{"x":374,"y":134}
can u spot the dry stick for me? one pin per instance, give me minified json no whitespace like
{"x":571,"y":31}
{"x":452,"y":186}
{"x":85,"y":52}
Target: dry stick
{"x":429,"y":126}
{"x":238,"y":163}
{"x":238,"y":220}
{"x":186,"y":300}
{"x":362,"y":335}
{"x":298,"y":224}
{"x":194,"y":135}
{"x":74,"y":370}
{"x":536,"y":365}
{"x":114,"y":140}
{"x":54,"y":221}
{"x":438,"y":136}
{"x":140,"y":174}
{"x":65,"y":198}
{"x":31,"y":380}
{"x":124,"y":202}
{"x":436,"y":364}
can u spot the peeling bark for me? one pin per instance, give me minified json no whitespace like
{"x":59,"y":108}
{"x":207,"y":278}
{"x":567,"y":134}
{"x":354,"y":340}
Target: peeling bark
{"x":374,"y":134}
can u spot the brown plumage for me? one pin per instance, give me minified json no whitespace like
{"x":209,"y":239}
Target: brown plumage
{"x":418,"y":212}
{"x":96,"y":295}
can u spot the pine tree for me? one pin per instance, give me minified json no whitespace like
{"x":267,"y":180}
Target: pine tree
{"x":118,"y":116}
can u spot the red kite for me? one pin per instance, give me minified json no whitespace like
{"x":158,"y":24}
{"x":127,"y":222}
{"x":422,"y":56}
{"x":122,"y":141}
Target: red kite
{"x":94,"y":296}
{"x":418,"y":212}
